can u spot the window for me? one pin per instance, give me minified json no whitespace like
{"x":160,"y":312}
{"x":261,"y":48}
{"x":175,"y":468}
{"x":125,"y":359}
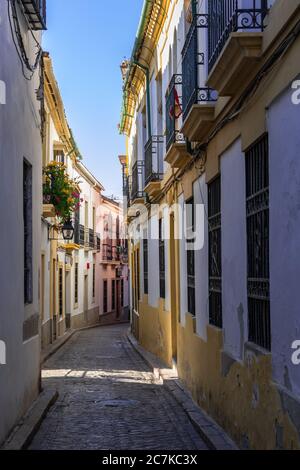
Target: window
{"x":76,"y":284}
{"x":113,"y":294}
{"x":145,"y":258}
{"x":60,"y":292}
{"x":191,"y":258}
{"x":257,"y":194}
{"x":59,"y":156}
{"x":27,"y":216}
{"x":122,"y":292}
{"x":215,"y":258}
{"x":104,"y":296}
{"x":94,"y":280}
{"x":162,"y":273}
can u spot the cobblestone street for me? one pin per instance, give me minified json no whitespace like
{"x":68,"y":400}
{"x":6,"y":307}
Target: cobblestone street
{"x":108,"y":399}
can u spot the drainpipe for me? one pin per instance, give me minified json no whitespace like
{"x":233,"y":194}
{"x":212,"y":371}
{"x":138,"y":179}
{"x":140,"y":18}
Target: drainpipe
{"x":146,"y":72}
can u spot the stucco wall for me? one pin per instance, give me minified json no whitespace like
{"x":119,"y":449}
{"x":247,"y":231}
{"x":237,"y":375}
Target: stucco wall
{"x":234,"y":250}
{"x":20,"y":138}
{"x":284,"y":137}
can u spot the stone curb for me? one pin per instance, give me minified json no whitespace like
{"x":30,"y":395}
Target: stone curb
{"x":211,"y":433}
{"x":24,"y":432}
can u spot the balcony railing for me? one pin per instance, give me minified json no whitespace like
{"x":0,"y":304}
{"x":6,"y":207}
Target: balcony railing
{"x":232,"y":16}
{"x":98,"y":242}
{"x":192,"y":59}
{"x":174,"y":111}
{"x":92,"y":240}
{"x":80,"y":238}
{"x":154,"y":167}
{"x":110,"y":252}
{"x":137,"y":183}
{"x":35,"y":11}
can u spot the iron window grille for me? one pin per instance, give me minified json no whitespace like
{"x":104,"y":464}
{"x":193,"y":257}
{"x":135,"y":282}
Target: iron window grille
{"x":191,"y":259}
{"x":215,"y":254}
{"x":145,"y":259}
{"x":192,"y":59}
{"x":173,"y":111}
{"x":154,"y":168}
{"x":27,"y":217}
{"x":257,"y":193}
{"x":162,"y":267}
{"x":137,"y":183}
{"x":35,"y":10}
{"x":226,"y":17}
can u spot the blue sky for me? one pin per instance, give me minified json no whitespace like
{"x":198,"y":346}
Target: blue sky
{"x":87,"y":42}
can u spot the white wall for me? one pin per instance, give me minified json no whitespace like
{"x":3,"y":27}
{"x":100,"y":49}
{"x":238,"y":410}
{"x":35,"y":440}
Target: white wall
{"x":153,"y":262}
{"x":201,"y":265}
{"x":183,"y":265}
{"x":19,"y":138}
{"x":234,"y":250}
{"x":284,"y":138}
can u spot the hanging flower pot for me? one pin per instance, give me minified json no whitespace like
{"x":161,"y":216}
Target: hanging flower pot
{"x":61,"y":191}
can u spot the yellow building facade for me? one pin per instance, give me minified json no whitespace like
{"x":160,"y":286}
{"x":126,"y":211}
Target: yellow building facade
{"x":210,"y":115}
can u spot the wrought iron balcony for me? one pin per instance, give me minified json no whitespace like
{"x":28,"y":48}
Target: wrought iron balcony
{"x":35,"y":10}
{"x":98,"y":242}
{"x":92,"y":240}
{"x":232,"y":16}
{"x":174,"y":111}
{"x":192,"y":59}
{"x":81,"y":236}
{"x":154,"y":167}
{"x":137,"y":182}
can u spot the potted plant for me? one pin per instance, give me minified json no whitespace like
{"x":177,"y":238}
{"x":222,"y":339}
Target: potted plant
{"x":61,"y":191}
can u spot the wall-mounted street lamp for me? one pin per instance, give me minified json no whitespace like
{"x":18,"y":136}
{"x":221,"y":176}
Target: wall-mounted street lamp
{"x":67,"y":231}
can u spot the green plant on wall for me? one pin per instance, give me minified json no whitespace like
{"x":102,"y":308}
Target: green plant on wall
{"x":60,"y":190}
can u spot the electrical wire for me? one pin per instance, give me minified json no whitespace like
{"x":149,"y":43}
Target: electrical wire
{"x":18,"y":41}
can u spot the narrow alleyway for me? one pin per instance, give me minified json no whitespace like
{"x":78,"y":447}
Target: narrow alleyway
{"x":108,"y":399}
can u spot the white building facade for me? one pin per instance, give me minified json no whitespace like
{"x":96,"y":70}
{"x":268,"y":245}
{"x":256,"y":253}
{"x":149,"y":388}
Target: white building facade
{"x":21,"y":193}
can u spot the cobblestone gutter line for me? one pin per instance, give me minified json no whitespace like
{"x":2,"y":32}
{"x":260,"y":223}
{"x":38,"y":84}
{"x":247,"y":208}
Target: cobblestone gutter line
{"x":211,"y":433}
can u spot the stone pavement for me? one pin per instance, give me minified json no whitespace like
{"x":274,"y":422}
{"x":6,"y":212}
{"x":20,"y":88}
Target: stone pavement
{"x":109,"y":399}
